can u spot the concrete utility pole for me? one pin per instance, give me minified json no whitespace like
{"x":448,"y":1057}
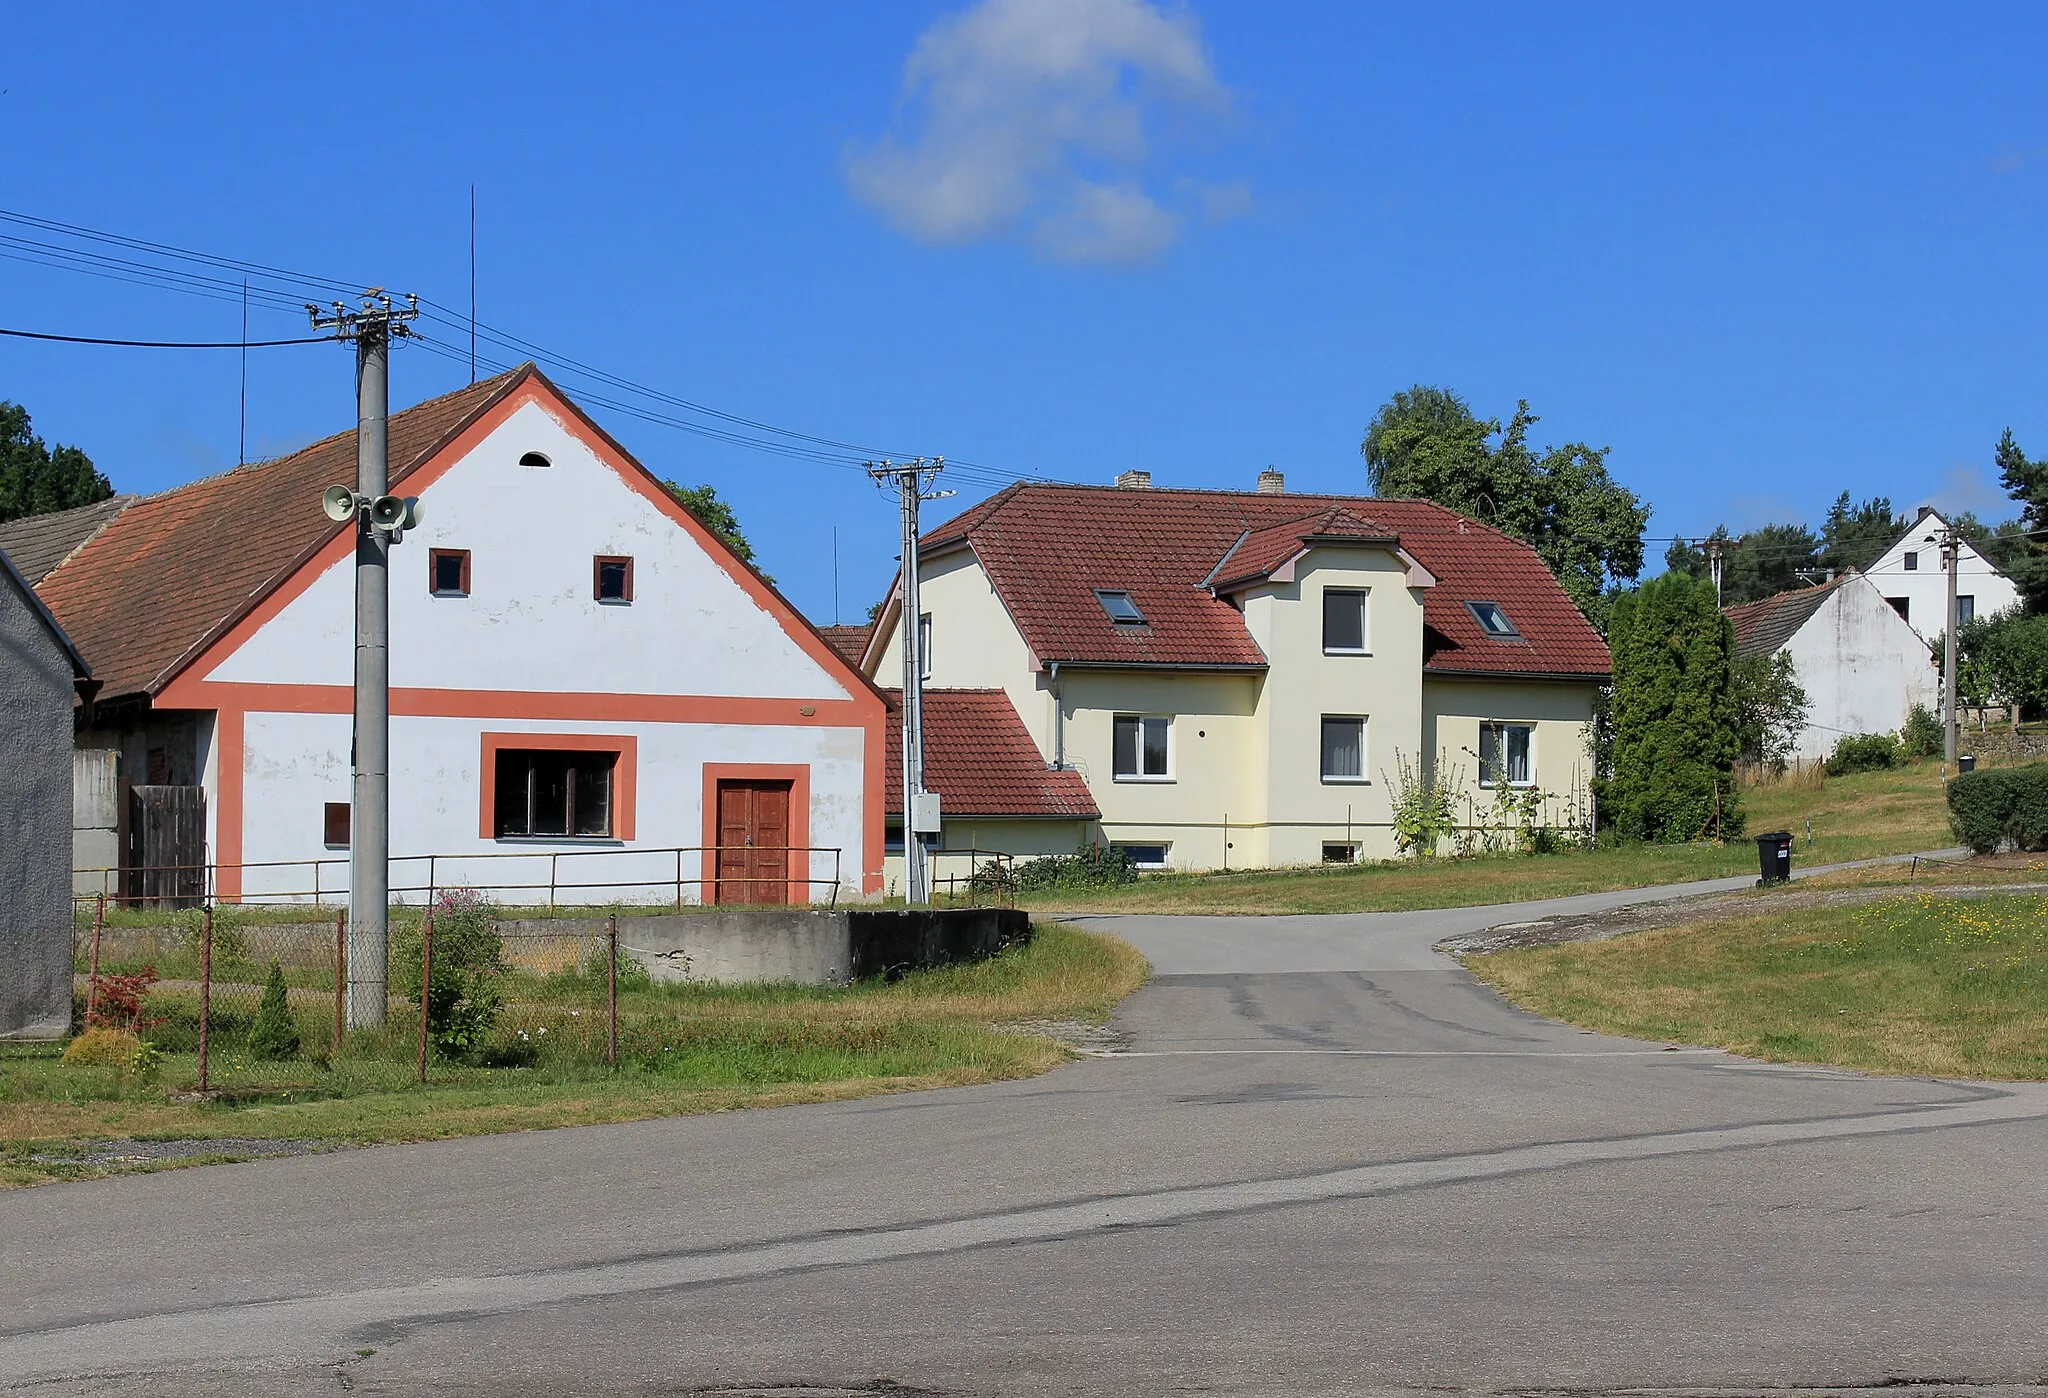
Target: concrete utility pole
{"x":913,"y":481}
{"x":371,"y":329}
{"x":1948,"y":659}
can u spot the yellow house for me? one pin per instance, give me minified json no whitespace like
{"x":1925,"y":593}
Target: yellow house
{"x":1249,"y":679}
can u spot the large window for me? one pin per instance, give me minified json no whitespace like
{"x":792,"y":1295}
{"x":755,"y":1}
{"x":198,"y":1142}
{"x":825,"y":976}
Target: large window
{"x":1143,"y":748}
{"x":543,"y":793}
{"x":1343,"y":748}
{"x":1344,"y":630}
{"x":1504,"y":754}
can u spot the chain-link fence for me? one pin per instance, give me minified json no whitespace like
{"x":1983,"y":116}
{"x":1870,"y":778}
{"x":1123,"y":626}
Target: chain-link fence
{"x":241,"y":991}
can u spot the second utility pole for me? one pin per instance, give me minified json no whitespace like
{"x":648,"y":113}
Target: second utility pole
{"x":912,"y":480}
{"x":369,"y":848}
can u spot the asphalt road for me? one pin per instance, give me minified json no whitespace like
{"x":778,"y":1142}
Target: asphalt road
{"x":1328,"y":1163}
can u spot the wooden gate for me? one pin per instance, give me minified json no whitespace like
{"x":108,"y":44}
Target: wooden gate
{"x":753,"y":842}
{"x":165,"y":865}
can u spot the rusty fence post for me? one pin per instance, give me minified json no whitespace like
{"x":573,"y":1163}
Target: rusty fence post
{"x":340,"y":978}
{"x":611,"y":1045}
{"x":426,"y":985}
{"x":205,"y":990}
{"x":92,"y":980}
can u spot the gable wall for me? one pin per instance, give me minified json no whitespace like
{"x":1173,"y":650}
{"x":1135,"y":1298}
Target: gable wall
{"x":1926,"y":587}
{"x":1862,"y":668}
{"x":35,"y":822}
{"x":700,"y":670}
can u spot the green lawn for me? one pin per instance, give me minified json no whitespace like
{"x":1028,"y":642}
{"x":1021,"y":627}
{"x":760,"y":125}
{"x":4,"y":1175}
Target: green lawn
{"x":684,"y":1048}
{"x":1856,"y":817}
{"x":1922,"y":983}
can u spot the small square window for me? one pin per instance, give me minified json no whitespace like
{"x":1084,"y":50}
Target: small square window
{"x":1344,"y":630}
{"x":1903,"y":606}
{"x":1122,"y":610}
{"x":612,"y":578}
{"x":334,"y":833}
{"x":1141,"y":748}
{"x":1504,"y":754}
{"x":1492,"y":620}
{"x":448,"y":572}
{"x":1343,"y":748}
{"x":1912,"y":562}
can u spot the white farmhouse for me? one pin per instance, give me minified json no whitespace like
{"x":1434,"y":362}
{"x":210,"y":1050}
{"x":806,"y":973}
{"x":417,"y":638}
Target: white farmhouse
{"x":1240,"y":678}
{"x":592,"y":699}
{"x":1862,"y":666}
{"x":1911,"y":577}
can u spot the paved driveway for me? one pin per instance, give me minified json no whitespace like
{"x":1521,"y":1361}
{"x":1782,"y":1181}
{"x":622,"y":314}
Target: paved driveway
{"x":1329,"y":1163}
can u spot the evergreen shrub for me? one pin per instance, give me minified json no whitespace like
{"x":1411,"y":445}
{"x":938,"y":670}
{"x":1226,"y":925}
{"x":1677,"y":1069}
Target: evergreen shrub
{"x":1922,"y":735}
{"x":1677,"y":727}
{"x":275,"y":1034}
{"x":2001,"y":806}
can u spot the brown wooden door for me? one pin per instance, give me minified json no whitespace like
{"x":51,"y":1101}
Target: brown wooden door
{"x":753,"y":842}
{"x":166,"y":856}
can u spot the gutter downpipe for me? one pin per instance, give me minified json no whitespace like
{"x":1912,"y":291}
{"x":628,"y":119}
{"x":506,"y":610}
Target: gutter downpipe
{"x":1059,"y":723}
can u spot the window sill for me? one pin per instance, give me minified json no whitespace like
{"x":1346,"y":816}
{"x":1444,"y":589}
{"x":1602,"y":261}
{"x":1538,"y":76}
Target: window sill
{"x":614,"y":601}
{"x":584,"y":840}
{"x":1511,"y":786}
{"x":448,"y":594}
{"x":1347,"y":781}
{"x":1365,"y":653}
{"x":1144,"y":781}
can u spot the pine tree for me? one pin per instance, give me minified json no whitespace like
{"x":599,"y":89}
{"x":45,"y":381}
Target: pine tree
{"x":1677,"y":729}
{"x":2026,"y":481}
{"x":275,"y":1034}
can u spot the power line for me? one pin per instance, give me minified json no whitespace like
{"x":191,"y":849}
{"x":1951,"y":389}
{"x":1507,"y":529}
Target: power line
{"x":165,"y":344}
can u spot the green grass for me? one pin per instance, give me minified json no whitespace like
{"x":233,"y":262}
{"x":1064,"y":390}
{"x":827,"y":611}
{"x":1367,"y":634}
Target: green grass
{"x":684,"y":1048}
{"x":1923,"y":984}
{"x":1855,"y":817}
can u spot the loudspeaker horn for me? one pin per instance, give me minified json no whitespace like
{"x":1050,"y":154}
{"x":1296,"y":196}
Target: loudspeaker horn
{"x":387,"y":512}
{"x":339,"y":502}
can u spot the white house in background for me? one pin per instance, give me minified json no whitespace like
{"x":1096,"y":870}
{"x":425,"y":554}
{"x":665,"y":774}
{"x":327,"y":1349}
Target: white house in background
{"x":578,"y":669}
{"x":1911,"y":577}
{"x":1862,"y":666}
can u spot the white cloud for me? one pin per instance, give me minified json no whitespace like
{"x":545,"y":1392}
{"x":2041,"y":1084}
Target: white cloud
{"x":1966,"y":486}
{"x":1037,"y":119}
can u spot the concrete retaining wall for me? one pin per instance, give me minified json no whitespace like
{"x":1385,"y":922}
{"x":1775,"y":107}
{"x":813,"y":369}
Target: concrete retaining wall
{"x":801,"y":946}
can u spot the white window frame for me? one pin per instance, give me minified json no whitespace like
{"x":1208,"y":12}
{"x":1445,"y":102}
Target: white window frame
{"x":1141,"y":775}
{"x":1528,"y":753}
{"x":1363,"y":596}
{"x":1331,"y":778}
{"x":924,"y":646}
{"x":1165,"y":853}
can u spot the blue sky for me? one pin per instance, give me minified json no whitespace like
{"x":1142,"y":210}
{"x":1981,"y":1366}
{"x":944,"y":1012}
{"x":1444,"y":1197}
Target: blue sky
{"x":1764,"y":256}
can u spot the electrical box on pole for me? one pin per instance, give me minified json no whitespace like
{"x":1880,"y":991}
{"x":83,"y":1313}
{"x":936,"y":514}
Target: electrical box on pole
{"x":380,"y":521}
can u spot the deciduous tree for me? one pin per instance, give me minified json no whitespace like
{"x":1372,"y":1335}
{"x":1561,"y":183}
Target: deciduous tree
{"x":716,"y":515}
{"x":1427,"y":444}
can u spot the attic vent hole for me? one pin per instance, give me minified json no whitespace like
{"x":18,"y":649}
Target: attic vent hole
{"x":534,"y":458}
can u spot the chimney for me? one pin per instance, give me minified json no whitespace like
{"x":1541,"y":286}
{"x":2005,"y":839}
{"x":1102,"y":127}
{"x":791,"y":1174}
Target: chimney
{"x":1134,"y":480}
{"x":1271,"y":482}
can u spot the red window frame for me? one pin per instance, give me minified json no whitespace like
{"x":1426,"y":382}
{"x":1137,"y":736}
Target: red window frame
{"x":597,"y":566}
{"x":434,"y":557}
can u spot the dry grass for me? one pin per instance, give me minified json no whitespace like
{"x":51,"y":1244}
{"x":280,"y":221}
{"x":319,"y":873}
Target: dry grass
{"x":699,"y":1049}
{"x":1918,"y":984}
{"x":1857,"y":817}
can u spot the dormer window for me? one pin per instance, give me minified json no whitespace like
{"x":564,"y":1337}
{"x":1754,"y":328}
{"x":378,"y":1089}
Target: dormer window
{"x":1122,"y":610}
{"x":1492,"y":620}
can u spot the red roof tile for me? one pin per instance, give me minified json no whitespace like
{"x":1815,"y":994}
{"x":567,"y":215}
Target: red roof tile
{"x":160,"y":578}
{"x":981,"y":761}
{"x":1763,"y":627}
{"x":850,"y":641}
{"x":1048,"y":548}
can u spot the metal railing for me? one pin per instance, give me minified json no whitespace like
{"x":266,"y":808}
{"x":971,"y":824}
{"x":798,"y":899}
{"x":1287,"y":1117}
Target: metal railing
{"x":425,"y":875}
{"x":990,"y":874}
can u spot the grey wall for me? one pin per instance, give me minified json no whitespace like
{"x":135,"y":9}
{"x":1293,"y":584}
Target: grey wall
{"x":35,"y":823}
{"x":809,"y":948}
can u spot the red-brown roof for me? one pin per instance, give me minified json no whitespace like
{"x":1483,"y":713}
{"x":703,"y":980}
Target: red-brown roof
{"x":172,"y":571}
{"x":981,"y":761}
{"x":850,"y":641}
{"x":1048,"y":548}
{"x":1763,"y":627}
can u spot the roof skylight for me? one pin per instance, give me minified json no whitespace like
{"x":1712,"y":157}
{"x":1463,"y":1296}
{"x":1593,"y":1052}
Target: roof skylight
{"x":1122,"y":610}
{"x":1492,"y":620}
